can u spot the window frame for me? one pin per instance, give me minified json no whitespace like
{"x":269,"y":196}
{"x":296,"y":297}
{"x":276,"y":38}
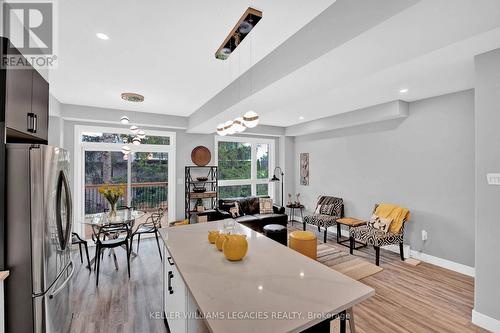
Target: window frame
{"x":79,"y":169}
{"x":253,"y":181}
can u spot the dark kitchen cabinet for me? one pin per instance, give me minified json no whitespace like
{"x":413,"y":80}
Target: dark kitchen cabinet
{"x":26,"y":104}
{"x":40,"y":106}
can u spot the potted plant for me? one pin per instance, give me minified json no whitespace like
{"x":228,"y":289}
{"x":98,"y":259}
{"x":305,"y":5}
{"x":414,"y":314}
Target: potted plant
{"x":112,"y":193}
{"x":199,"y":205}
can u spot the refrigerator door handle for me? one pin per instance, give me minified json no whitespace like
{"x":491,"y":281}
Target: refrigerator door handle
{"x":61,"y":287}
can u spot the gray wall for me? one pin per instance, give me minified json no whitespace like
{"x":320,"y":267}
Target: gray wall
{"x":487,"y":118}
{"x":424,"y":162}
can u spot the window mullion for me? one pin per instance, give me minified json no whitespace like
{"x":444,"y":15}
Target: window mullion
{"x":253,"y":168}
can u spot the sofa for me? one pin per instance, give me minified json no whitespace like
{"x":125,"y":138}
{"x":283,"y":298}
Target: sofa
{"x":250,"y":214}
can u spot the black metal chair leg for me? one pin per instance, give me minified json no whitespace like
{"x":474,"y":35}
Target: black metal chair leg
{"x":401,"y":252}
{"x":98,"y":266}
{"x":80,"y":248}
{"x":324,"y":238}
{"x":131,"y":242}
{"x":138,"y":242}
{"x":339,"y":232}
{"x":95,"y":259}
{"x":128,"y":259}
{"x":87,"y":253}
{"x":158,"y":243}
{"x":304,"y":224}
{"x":377,"y":255}
{"x":351,"y":245}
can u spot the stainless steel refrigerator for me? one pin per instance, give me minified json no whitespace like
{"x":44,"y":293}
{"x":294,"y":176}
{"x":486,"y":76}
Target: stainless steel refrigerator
{"x":38,"y":238}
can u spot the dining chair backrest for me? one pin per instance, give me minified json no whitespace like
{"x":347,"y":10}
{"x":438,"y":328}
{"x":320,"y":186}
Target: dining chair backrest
{"x":112,"y":228}
{"x":154,"y":220}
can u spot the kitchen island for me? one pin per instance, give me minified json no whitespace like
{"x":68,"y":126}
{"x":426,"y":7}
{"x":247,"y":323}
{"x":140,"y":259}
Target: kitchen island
{"x":273,"y":289}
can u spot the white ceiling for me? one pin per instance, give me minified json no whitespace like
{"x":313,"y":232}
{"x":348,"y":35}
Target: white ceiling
{"x":163,"y":49}
{"x":166,"y":52}
{"x":428,"y":48}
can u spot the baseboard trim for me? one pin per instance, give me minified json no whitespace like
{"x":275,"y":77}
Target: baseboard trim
{"x":444,"y":263}
{"x":486,"y":322}
{"x":408,"y":252}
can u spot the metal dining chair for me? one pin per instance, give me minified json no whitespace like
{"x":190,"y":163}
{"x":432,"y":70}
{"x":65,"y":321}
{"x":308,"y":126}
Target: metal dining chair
{"x":104,"y":240}
{"x":151,"y":226}
{"x":76,"y":239}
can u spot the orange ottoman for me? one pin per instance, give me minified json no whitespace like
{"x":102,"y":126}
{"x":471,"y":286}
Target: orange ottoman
{"x":304,"y":242}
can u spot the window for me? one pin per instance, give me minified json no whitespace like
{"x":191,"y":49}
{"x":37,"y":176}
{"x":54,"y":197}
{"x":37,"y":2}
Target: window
{"x":145,"y":172}
{"x":244,"y":166}
{"x":123,"y":138}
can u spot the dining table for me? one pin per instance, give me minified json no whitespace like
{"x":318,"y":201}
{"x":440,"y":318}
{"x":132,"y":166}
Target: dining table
{"x":98,"y":220}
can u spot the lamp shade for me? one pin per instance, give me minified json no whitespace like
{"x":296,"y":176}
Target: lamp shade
{"x":141,"y":134}
{"x":228,"y":127}
{"x":124,"y":120}
{"x":251,"y":119}
{"x":220,"y":130}
{"x":274,"y":179}
{"x":136,"y":141}
{"x":239,"y":125}
{"x":134,"y":129}
{"x":125,"y":150}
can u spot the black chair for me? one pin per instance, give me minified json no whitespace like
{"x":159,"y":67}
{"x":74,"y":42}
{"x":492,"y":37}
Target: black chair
{"x":109,"y":237}
{"x":76,"y":239}
{"x":151,"y":226}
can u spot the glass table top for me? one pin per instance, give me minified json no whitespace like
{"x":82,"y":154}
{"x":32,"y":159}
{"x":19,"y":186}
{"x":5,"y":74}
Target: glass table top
{"x":121,"y":217}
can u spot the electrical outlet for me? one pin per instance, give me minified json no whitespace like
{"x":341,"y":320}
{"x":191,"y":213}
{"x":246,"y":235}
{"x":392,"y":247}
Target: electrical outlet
{"x":424,"y":235}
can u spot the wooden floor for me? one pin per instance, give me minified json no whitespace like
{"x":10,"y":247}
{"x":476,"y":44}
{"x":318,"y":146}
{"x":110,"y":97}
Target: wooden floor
{"x":119,"y":304}
{"x":423,"y":298}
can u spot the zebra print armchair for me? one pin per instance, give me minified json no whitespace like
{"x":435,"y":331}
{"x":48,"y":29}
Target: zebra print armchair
{"x":377,"y":238}
{"x":328,"y":210}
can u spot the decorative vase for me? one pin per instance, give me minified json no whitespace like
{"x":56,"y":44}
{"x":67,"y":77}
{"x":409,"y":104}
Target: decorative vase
{"x":212,"y":236}
{"x":112,"y":210}
{"x":221,"y":238}
{"x":235,"y":247}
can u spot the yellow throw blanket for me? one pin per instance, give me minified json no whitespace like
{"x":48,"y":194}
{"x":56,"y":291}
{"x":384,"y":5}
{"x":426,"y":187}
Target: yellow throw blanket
{"x":394,"y":212}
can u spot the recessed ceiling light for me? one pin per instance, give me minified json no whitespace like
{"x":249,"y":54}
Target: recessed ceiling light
{"x":102,"y":36}
{"x":301,"y":118}
{"x":404,"y":91}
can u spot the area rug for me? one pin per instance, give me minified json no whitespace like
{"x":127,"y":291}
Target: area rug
{"x":343,"y":262}
{"x":354,"y":267}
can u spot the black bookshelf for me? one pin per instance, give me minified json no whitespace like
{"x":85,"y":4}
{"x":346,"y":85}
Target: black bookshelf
{"x":209,"y":197}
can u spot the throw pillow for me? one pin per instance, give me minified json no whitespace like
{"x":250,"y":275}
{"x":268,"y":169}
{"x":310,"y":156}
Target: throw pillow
{"x":318,"y":209}
{"x":266,"y":205}
{"x":380,"y":223}
{"x":235,"y":210}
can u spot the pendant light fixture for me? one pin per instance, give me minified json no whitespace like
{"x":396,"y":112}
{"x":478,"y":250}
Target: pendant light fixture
{"x":228,"y":127}
{"x":136,"y":141}
{"x":141,"y":134}
{"x":239,"y":125}
{"x":125,"y":150}
{"x":124,"y":120}
{"x":251,"y":119}
{"x":134,"y":129}
{"x":220,"y":130}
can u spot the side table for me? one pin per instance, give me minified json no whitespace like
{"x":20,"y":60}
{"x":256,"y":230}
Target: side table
{"x":350,"y":223}
{"x":292,"y":209}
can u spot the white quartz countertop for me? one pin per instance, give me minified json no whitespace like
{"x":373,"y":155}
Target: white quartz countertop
{"x":273,"y":289}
